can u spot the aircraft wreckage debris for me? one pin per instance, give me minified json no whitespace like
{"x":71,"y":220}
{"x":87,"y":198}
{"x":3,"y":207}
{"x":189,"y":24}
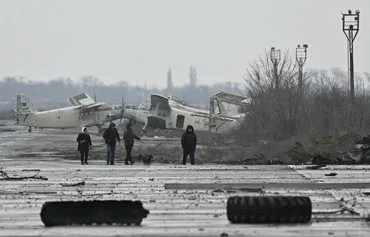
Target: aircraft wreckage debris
{"x":331,"y":174}
{"x":93,"y":212}
{"x":314,"y":167}
{"x":6,"y":177}
{"x":72,"y":184}
{"x":269,"y":209}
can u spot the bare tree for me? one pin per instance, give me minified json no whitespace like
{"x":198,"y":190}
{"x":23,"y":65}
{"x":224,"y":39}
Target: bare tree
{"x":274,"y":112}
{"x":325,"y":109}
{"x":90,"y":81}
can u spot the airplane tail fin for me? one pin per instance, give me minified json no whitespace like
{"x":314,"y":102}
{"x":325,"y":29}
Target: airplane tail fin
{"x":23,"y":106}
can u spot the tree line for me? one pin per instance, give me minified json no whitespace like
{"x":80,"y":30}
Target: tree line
{"x":323,"y":107}
{"x":57,"y":91}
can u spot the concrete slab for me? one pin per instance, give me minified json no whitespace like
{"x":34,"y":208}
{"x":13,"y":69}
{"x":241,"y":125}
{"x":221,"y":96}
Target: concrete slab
{"x":183,"y":210}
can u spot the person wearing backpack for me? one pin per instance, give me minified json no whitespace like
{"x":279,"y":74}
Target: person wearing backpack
{"x":110,"y":136}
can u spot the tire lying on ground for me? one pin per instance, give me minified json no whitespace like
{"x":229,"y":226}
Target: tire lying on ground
{"x":269,"y":209}
{"x":92,"y":212}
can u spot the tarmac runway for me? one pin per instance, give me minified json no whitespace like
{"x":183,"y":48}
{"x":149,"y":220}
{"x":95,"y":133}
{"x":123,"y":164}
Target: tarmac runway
{"x":182,"y":200}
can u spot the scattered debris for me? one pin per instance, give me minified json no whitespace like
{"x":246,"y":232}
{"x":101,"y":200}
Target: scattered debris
{"x":344,"y":206}
{"x":358,"y":154}
{"x":73,"y":184}
{"x":37,"y":192}
{"x":314,"y":167}
{"x":7,"y":177}
{"x":32,"y":170}
{"x":331,"y":174}
{"x":234,"y":190}
{"x":224,"y":235}
{"x":219,"y":190}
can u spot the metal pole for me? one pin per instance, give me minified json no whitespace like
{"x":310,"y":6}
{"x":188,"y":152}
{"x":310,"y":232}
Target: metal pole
{"x":351,"y":69}
{"x":276,"y":76}
{"x":275,"y":59}
{"x":301,"y":56}
{"x":351,"y":26}
{"x":300,"y":79}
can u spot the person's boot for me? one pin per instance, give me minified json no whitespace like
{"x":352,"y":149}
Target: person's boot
{"x":132,"y":162}
{"x":126,"y":162}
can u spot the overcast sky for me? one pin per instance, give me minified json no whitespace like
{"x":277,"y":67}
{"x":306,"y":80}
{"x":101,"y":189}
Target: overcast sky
{"x":138,"y":40}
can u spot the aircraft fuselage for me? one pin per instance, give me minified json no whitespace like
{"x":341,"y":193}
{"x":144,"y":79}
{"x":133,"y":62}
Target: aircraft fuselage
{"x":67,"y":117}
{"x":178,"y":119}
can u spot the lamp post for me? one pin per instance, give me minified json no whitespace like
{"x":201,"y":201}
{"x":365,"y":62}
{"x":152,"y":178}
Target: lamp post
{"x":275,"y":57}
{"x":351,"y":24}
{"x":301,"y":56}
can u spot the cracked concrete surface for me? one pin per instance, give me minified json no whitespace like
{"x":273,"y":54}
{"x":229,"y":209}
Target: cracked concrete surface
{"x":182,"y":200}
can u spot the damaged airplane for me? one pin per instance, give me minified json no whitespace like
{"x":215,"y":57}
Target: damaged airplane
{"x":83,"y":112}
{"x":225,"y":113}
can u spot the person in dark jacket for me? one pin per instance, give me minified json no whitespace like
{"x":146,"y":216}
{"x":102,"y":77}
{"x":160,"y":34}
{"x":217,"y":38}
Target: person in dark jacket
{"x":110,"y":136}
{"x":129,"y":137}
{"x":188,"y":144}
{"x":84,"y":145}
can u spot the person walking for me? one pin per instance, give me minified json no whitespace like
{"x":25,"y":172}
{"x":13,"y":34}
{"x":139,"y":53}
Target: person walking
{"x":129,"y":137}
{"x":188,"y":144}
{"x":84,"y":145}
{"x":110,"y":136}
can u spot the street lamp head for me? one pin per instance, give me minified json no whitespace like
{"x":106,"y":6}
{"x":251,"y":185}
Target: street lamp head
{"x":299,"y":46}
{"x":272,"y":48}
{"x":357,"y":12}
{"x":349,"y":12}
{"x":305,"y":46}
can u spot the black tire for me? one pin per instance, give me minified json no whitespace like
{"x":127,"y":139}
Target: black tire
{"x":269,"y":209}
{"x":92,"y":212}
